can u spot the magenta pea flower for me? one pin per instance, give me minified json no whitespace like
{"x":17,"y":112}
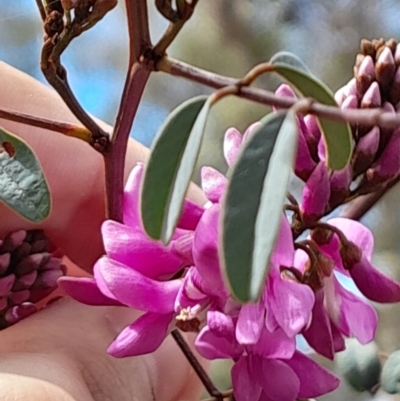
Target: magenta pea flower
{"x":353,"y":257}
{"x":271,"y":369}
{"x":136,"y":272}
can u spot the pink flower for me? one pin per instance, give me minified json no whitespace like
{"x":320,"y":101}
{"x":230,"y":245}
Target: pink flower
{"x":354,"y":259}
{"x":137,"y":272}
{"x":271,"y":369}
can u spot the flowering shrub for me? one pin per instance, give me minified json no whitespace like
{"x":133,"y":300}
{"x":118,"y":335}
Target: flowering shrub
{"x":182,"y":285}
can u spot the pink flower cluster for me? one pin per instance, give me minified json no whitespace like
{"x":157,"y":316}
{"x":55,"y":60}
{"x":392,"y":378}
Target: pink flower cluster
{"x":182,"y":286}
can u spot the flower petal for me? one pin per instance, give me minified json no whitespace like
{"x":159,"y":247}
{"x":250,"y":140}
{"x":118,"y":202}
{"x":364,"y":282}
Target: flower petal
{"x":131,"y":196}
{"x":314,"y":379}
{"x":212,"y":347}
{"x":85,"y":290}
{"x":316,"y":193}
{"x":205,"y":251}
{"x":244,"y":385}
{"x":190,"y":216}
{"x":250,"y":323}
{"x":143,"y":336}
{"x":221,"y":325}
{"x":232,"y":141}
{"x":375,"y":285}
{"x":278,"y":380}
{"x":191,"y":291}
{"x":355,"y":232}
{"x":213,"y":183}
{"x":319,"y":333}
{"x":132,"y":247}
{"x":360,"y":318}
{"x":284,"y":250}
{"x":290,"y":301}
{"x":133,"y":288}
{"x":275,"y":345}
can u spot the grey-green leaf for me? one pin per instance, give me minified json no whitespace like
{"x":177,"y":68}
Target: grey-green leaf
{"x":288,"y":58}
{"x":170,"y":167}
{"x":359,"y":364}
{"x":23,"y":186}
{"x":337,"y":134}
{"x":390,"y":378}
{"x":254,"y":203}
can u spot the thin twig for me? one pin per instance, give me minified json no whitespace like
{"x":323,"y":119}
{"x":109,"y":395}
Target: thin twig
{"x":365,"y":117}
{"x":359,"y":207}
{"x":201,"y":373}
{"x":225,"y":394}
{"x":138,"y":26}
{"x":115,"y":157}
{"x":174,"y":28}
{"x":41,"y":9}
{"x":73,"y":130}
{"x":138,"y":73}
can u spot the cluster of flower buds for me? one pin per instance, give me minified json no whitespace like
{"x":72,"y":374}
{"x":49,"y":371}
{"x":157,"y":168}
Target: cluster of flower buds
{"x":29,"y":270}
{"x":182,"y":286}
{"x":376,"y":157}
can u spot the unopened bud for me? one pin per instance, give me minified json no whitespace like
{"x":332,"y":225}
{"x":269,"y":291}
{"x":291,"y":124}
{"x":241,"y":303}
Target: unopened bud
{"x":365,"y":75}
{"x":340,"y":185}
{"x":385,"y":68}
{"x":388,"y":164}
{"x":316,"y":194}
{"x":304,"y":164}
{"x":6,"y":284}
{"x":17,"y":313}
{"x":365,"y":151}
{"x":25,"y":282}
{"x":312,"y":135}
{"x":18,"y":297}
{"x":13,"y":241}
{"x":372,"y":97}
{"x":351,"y":102}
{"x":394,"y":95}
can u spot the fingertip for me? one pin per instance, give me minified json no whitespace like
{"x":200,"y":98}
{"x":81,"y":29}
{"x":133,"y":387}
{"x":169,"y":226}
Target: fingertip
{"x":21,"y":388}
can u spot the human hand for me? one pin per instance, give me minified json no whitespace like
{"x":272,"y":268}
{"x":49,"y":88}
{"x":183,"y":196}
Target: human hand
{"x":60,"y":352}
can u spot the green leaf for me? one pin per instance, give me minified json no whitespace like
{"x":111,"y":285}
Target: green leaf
{"x":254,"y":203}
{"x":337,"y":135}
{"x":22,"y":184}
{"x":288,"y":58}
{"x":390,"y":378}
{"x":171,"y":166}
{"x":359,"y":365}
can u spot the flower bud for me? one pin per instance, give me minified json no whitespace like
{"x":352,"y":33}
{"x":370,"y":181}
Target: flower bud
{"x":365,"y":151}
{"x":388,"y":164}
{"x":316,"y":194}
{"x":340,"y":184}
{"x":365,"y":75}
{"x":304,"y":164}
{"x":372,"y":97}
{"x":394,"y":95}
{"x":385,"y":68}
{"x":312,"y":135}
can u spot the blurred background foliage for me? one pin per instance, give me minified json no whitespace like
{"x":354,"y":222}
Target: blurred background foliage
{"x":228,"y":37}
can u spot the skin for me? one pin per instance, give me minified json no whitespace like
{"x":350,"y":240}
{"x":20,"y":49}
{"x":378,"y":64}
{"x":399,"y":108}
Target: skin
{"x":59,"y":353}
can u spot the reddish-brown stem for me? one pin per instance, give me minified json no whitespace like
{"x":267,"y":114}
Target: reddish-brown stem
{"x":138,"y":26}
{"x":115,"y":157}
{"x":73,"y":130}
{"x":357,"y":209}
{"x":366,"y":117}
{"x":137,"y":76}
{"x":201,"y":373}
{"x":41,"y":9}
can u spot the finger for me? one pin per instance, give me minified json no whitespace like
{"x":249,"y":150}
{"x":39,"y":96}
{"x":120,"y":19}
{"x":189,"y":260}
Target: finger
{"x":74,"y":171}
{"x":22,"y":388}
{"x":48,"y":347}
